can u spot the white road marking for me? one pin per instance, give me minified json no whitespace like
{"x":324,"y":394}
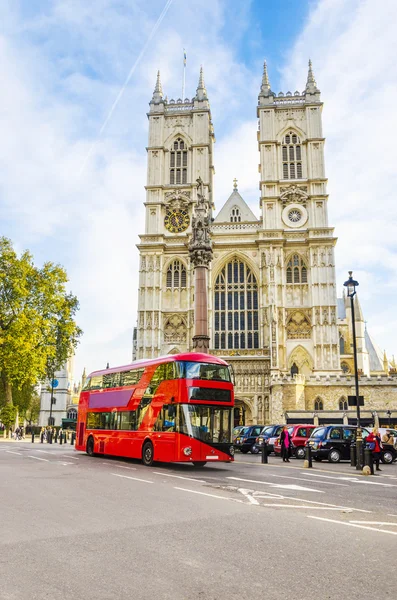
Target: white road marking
{"x":353,"y":480}
{"x":352,"y":525}
{"x":210,"y":495}
{"x":12,"y":452}
{"x":392,"y":515}
{"x":38,"y":458}
{"x":133,"y":478}
{"x":247,"y":494}
{"x":280,"y":485}
{"x":179,"y":477}
{"x":45,"y":451}
{"x":302,"y":479}
{"x":374,"y":523}
{"x":310,"y":507}
{"x":258,"y":494}
{"x":123,"y":467}
{"x":65,"y":464}
{"x":73,"y":457}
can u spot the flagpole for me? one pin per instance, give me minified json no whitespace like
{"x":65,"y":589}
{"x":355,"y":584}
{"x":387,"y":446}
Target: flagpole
{"x":184,"y":71}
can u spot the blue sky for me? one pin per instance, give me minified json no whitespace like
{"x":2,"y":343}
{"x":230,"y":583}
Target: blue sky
{"x":62,"y":65}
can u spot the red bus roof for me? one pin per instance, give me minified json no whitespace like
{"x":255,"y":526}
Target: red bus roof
{"x":145,"y":362}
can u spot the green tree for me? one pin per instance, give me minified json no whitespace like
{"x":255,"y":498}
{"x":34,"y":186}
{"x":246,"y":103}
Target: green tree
{"x":7,"y":416}
{"x":37,"y":327}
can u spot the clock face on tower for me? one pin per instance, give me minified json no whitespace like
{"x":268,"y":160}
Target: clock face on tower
{"x":176,"y":220}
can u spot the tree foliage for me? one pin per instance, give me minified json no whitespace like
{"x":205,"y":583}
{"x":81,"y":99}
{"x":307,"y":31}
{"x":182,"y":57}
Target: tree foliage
{"x":37,"y":328}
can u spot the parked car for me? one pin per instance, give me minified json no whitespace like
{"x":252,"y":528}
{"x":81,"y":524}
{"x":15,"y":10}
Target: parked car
{"x":245,"y":440}
{"x":333,"y":442}
{"x":382,"y":431}
{"x":299,"y":434}
{"x":268,"y":436}
{"x":236,"y":432}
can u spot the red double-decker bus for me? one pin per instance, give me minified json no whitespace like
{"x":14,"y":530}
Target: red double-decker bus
{"x":176,"y":408}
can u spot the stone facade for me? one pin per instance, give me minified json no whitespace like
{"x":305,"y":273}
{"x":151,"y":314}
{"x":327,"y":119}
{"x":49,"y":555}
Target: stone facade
{"x":272,"y":300}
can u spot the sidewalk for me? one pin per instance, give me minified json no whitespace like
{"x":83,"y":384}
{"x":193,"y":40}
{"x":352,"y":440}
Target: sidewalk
{"x":341,"y":468}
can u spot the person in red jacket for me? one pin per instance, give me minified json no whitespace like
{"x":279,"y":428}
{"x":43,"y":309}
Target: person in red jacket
{"x":375,"y":444}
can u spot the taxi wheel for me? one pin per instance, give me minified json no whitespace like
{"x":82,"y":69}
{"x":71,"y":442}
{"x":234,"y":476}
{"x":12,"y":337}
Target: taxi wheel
{"x":254,"y":450}
{"x":300,"y":453}
{"x":387,"y":457}
{"x":334,"y":456}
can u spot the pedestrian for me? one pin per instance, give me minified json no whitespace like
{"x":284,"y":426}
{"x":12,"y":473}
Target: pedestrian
{"x":42,"y":435}
{"x":374,"y":443}
{"x":285,"y":442}
{"x":387,"y":438}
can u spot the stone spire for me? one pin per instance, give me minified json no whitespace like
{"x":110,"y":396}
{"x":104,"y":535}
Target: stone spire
{"x":201,"y":92}
{"x":311,"y":85}
{"x":158,"y":91}
{"x":266,"y":91}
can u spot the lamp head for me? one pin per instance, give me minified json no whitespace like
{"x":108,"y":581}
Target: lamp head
{"x":351,"y":285}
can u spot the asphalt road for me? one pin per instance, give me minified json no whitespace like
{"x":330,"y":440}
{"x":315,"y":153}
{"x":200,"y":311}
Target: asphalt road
{"x":102,"y":528}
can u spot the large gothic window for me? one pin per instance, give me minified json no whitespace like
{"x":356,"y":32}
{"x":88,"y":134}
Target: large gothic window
{"x":292,"y":156}
{"x":296,"y":270}
{"x":178,"y":163}
{"x":236,"y":308}
{"x":176,"y":275}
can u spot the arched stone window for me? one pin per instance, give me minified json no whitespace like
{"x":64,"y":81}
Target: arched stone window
{"x":72,"y":414}
{"x":343,"y":404}
{"x":296,"y":270}
{"x":178,"y":163}
{"x":236,"y":307}
{"x":341,"y":344}
{"x":292,"y":156}
{"x":176,"y":275}
{"x":235,"y":216}
{"x":318,"y":404}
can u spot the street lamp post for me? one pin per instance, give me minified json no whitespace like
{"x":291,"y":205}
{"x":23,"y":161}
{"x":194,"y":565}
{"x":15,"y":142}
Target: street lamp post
{"x":389,"y":415}
{"x":351,"y":285}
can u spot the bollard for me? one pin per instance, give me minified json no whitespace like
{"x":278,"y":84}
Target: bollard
{"x":49,"y":437}
{"x":264,"y":453}
{"x":32,"y":437}
{"x":60,"y":439}
{"x":308,"y":457}
{"x":353,"y":458}
{"x":368,"y":459}
{"x":73,"y":438}
{"x":64,"y":438}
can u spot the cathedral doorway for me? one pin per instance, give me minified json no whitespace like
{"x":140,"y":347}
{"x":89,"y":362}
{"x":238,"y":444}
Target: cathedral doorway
{"x":241,"y":413}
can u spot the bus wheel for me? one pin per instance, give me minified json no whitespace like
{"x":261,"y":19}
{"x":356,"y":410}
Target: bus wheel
{"x":90,"y":446}
{"x":147,"y":454}
{"x":199,"y":463}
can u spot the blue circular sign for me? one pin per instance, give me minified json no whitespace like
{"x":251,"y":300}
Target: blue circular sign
{"x":54,"y":383}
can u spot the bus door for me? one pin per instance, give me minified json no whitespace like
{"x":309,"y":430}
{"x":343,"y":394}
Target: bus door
{"x":164,"y":433}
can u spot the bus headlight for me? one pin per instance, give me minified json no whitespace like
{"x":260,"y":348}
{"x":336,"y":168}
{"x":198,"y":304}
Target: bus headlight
{"x":187,"y":451}
{"x":231,"y":450}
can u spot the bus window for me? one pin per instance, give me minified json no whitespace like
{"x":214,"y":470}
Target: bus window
{"x":96,"y":382}
{"x":207,"y":371}
{"x":166,"y":421}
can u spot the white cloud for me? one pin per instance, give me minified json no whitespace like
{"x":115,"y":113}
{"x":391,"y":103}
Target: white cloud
{"x":352,"y":48}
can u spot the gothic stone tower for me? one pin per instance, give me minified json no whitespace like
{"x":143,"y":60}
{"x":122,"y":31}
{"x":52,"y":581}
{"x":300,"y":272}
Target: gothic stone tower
{"x":180,"y":151}
{"x":297,"y":243}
